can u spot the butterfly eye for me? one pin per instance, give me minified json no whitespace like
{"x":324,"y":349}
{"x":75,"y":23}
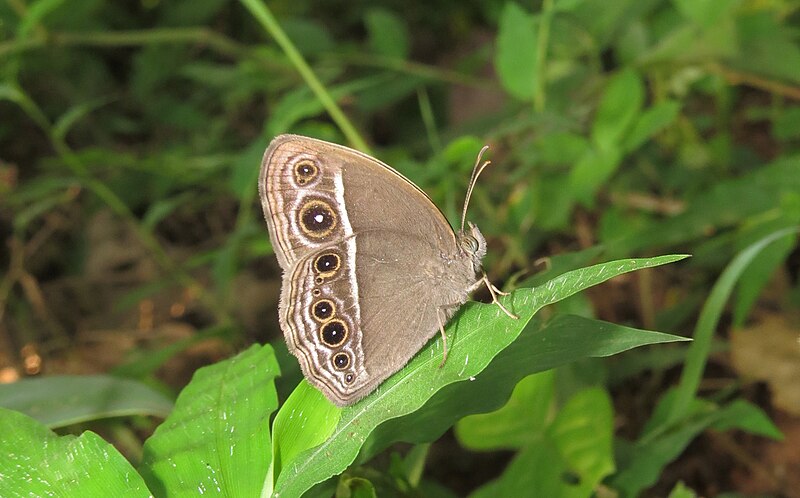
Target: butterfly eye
{"x":469,"y":244}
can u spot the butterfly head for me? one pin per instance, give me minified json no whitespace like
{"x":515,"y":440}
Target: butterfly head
{"x":470,"y":239}
{"x":473,"y":245}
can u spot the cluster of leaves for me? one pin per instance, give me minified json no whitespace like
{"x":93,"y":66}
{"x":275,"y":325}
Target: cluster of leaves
{"x":624,"y":115}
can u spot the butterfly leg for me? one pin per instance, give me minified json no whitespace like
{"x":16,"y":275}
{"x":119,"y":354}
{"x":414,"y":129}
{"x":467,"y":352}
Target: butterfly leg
{"x":494,"y":291}
{"x":439,"y":312}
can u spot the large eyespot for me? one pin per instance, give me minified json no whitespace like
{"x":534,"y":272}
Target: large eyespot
{"x":305,"y":171}
{"x":341,"y":361}
{"x":317,"y":218}
{"x":323,"y":309}
{"x":327,"y":264}
{"x":333,"y":333}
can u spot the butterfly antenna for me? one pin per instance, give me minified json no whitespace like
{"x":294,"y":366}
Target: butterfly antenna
{"x":476,"y":172}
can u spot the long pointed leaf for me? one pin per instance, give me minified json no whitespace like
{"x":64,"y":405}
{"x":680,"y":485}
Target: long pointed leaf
{"x":478,"y":334}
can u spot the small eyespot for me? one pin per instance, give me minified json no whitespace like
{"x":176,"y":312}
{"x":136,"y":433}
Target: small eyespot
{"x":319,"y":280}
{"x":323,"y":309}
{"x":327,"y":264}
{"x":333,"y":333}
{"x":305,"y":171}
{"x":341,"y":361}
{"x":316,"y":292}
{"x":349,"y":378}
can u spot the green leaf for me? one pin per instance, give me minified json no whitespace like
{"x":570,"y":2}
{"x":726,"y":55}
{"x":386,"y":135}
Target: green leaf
{"x":743,"y":415}
{"x":786,"y":125}
{"x":413,"y":464}
{"x":146,"y":362}
{"x":689,"y":45}
{"x":645,"y":459}
{"x":554,"y":202}
{"x":35,"y":13}
{"x":304,"y":421}
{"x":39,"y":197}
{"x":619,"y":105}
{"x":768,"y":47}
{"x":192,"y":13}
{"x":63,"y":400}
{"x":311,"y":36}
{"x":537,"y":470}
{"x":226,"y":262}
{"x":12,"y":93}
{"x":567,"y":5}
{"x":355,"y":487}
{"x":642,"y":463}
{"x":516,"y":58}
{"x":697,"y":355}
{"x":603,"y":21}
{"x":540,"y":346}
{"x":652,"y":121}
{"x":387,"y":33}
{"x":37,"y":462}
{"x":75,"y":114}
{"x":302,"y":103}
{"x":583,"y":432}
{"x":756,"y":192}
{"x":161,"y":208}
{"x":706,"y":12}
{"x":591,"y":172}
{"x":568,"y":460}
{"x":520,"y":422}
{"x":245,"y":169}
{"x":560,"y":147}
{"x":757,"y":276}
{"x":386,"y":90}
{"x":681,"y":491}
{"x":477,"y":335}
{"x":217,"y":438}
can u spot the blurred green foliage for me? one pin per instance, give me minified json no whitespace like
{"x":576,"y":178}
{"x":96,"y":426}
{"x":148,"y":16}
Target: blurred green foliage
{"x":619,"y":129}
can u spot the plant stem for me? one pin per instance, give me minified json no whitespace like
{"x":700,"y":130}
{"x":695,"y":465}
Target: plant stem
{"x":262,"y":13}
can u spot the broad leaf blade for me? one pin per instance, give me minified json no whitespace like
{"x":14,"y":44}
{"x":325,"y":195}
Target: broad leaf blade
{"x":516,"y":57}
{"x":621,"y":102}
{"x":567,"y":461}
{"x":536,"y":470}
{"x":217,"y":438}
{"x":478,"y":334}
{"x":583,"y":432}
{"x":643,"y":461}
{"x":37,"y":462}
{"x":68,"y":399}
{"x":518,"y":423}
